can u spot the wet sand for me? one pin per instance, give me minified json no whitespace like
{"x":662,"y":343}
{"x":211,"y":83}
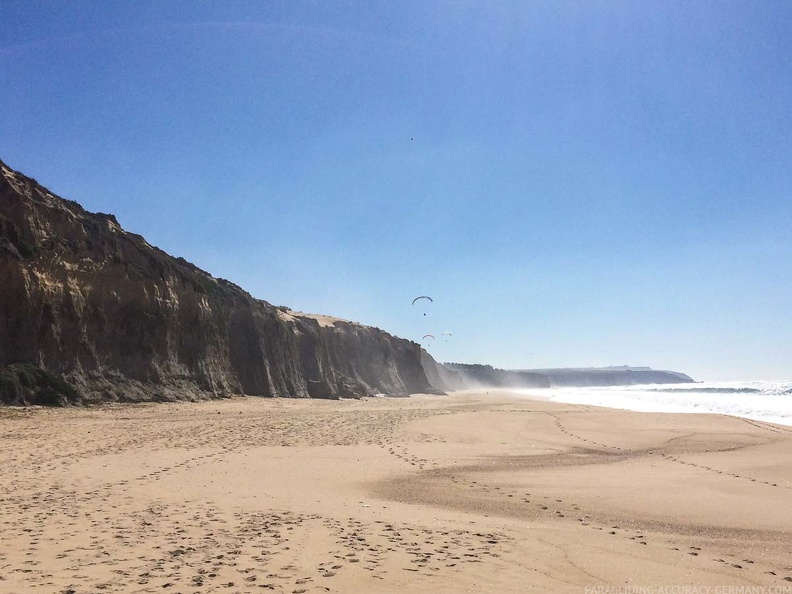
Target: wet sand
{"x":461,"y":493}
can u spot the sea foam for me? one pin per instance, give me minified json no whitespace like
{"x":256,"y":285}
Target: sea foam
{"x":769,"y":401}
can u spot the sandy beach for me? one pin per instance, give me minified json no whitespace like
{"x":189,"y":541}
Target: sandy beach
{"x":461,"y":493}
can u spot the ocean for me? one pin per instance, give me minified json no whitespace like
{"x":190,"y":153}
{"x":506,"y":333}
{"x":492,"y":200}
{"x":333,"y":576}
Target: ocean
{"x":769,"y":401}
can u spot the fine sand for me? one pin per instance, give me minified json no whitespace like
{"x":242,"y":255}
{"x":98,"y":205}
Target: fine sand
{"x":461,"y":493}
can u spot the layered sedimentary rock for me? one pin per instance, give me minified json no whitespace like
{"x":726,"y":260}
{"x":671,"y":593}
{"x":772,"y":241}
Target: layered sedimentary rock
{"x":121,"y":320}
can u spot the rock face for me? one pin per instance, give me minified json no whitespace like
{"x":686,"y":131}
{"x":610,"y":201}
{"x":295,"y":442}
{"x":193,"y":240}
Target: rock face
{"x":440,"y":376}
{"x":121,"y":320}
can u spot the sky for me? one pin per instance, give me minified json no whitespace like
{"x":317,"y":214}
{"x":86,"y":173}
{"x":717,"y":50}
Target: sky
{"x":575,"y":184}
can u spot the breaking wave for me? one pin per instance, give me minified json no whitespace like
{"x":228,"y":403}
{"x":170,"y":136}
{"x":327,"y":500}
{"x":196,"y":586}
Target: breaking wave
{"x":769,"y":401}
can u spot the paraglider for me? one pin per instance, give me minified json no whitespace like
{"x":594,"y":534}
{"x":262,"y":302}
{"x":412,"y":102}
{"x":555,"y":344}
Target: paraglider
{"x":425,"y":338}
{"x":422,"y":297}
{"x":447,"y":334}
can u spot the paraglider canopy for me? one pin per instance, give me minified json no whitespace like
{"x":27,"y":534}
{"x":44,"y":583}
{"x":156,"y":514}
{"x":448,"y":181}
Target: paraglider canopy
{"x":428,"y":336}
{"x":422,"y":297}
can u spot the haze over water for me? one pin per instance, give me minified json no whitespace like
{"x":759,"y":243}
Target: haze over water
{"x":769,"y":401}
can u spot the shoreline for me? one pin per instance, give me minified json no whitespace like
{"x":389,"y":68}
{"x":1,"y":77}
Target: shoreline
{"x":431,"y":493}
{"x":637,"y":398}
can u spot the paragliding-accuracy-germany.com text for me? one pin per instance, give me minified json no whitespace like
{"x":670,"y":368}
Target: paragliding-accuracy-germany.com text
{"x":680,"y":589}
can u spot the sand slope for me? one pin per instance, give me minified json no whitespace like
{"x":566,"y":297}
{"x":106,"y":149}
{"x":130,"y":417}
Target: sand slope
{"x":470,"y":492}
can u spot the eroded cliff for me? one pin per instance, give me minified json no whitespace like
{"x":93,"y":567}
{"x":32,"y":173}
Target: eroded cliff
{"x":121,"y":320}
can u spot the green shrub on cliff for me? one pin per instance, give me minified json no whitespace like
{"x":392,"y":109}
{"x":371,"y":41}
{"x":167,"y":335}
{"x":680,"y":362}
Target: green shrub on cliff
{"x":24,"y":384}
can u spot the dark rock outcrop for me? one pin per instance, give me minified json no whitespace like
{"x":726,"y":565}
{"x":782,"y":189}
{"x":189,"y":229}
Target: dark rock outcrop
{"x":121,"y":320}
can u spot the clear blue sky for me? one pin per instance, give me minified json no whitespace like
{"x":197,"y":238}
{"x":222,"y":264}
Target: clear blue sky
{"x":575,"y":183}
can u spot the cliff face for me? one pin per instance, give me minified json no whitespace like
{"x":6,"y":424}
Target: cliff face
{"x":441,"y":377}
{"x":121,"y":320}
